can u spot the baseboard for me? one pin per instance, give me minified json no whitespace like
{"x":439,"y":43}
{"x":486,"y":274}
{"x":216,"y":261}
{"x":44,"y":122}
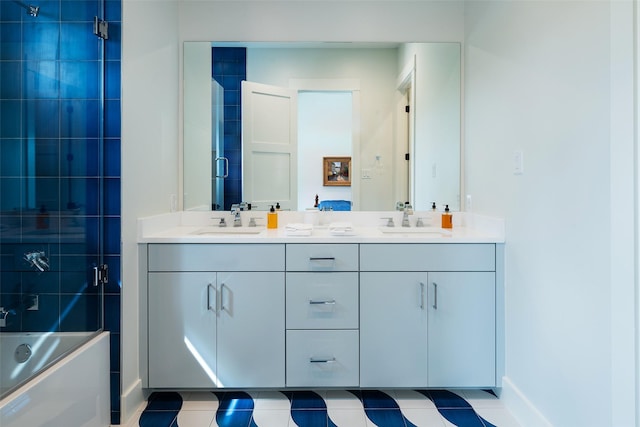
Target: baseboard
{"x":520,"y":407}
{"x":131,"y":400}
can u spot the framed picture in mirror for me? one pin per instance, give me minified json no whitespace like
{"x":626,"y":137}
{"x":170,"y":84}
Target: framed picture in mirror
{"x":336,"y":171}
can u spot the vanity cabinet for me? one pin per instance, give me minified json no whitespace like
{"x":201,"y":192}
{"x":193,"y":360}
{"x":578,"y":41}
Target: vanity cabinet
{"x":427,"y":315}
{"x":216,"y":316}
{"x":297,"y":315}
{"x":322,"y":315}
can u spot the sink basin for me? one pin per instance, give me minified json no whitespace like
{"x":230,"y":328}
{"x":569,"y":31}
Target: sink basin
{"x":414,"y":230}
{"x":209,"y":231}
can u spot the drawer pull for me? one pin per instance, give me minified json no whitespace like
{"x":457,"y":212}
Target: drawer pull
{"x":315,"y":258}
{"x":314,"y":360}
{"x":322,"y":302}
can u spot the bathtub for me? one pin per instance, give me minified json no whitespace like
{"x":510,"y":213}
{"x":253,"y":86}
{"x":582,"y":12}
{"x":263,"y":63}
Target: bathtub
{"x":74,"y":391}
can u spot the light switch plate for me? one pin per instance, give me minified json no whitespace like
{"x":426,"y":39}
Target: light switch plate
{"x":518,"y":162}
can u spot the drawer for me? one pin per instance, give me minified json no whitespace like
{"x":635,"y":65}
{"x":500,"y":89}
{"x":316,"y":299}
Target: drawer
{"x":322,"y":257}
{"x":322,"y":359}
{"x":216,"y":257}
{"x":322,"y":300}
{"x":428,"y":257}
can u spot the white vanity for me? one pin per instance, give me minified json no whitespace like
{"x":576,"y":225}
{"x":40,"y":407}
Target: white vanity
{"x":268,"y":310}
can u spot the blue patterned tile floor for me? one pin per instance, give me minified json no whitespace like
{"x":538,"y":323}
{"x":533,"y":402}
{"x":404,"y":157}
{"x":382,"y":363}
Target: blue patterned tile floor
{"x":325,"y":408}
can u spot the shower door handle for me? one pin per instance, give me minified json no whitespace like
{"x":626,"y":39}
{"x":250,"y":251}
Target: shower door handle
{"x":225,"y":170}
{"x":100,"y":275}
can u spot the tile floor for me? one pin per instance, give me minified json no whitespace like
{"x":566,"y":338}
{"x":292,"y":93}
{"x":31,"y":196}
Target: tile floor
{"x":325,"y":408}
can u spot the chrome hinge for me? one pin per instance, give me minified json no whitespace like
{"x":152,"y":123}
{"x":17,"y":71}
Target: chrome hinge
{"x":100,"y":28}
{"x":100,"y":275}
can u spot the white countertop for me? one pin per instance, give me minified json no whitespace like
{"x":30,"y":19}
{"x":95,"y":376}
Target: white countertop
{"x":368,"y":227}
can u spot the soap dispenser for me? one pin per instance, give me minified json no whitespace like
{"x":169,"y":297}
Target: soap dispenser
{"x":272,"y":218}
{"x":433,"y":214}
{"x":447,"y":218}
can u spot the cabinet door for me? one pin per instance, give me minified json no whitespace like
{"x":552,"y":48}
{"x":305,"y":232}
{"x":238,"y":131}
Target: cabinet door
{"x":462,"y":329}
{"x":182,"y":330}
{"x":251,"y":329}
{"x":393,"y":329}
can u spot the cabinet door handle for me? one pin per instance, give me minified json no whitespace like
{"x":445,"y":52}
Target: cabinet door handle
{"x":209,"y":288}
{"x":435,"y":296}
{"x":316,"y":360}
{"x":322,"y":302}
{"x":421,"y":296}
{"x":222,"y":307}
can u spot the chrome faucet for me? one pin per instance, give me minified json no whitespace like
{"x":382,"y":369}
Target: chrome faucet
{"x":235,"y":212}
{"x":3,"y":316}
{"x":222,"y":222}
{"x":408,"y":210}
{"x":38,"y":260}
{"x":389,"y":221}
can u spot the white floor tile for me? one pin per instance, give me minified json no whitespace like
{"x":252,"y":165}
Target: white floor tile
{"x":422,"y":417}
{"x":498,"y":417}
{"x":270,"y":400}
{"x":199,"y":401}
{"x":447,"y":423}
{"x":341,"y":399}
{"x":481,"y":399}
{"x":413,"y":399}
{"x":196,"y":418}
{"x":348,"y":417}
{"x":272,"y":418}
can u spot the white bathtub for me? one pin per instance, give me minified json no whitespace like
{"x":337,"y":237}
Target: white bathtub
{"x":72,"y":392}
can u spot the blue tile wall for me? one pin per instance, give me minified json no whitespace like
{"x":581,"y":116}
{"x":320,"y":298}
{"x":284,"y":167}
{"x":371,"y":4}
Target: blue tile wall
{"x":60,"y":167}
{"x":229,"y":67}
{"x":111,"y":194}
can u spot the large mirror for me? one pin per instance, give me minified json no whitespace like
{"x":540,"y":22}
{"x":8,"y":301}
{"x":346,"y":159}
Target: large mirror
{"x":261,"y":118}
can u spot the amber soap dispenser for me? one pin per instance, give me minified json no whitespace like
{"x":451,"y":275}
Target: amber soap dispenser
{"x":447,"y":218}
{"x":272,"y":218}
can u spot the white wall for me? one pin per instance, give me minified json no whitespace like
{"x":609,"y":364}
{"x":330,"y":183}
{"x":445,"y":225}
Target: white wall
{"x":319,"y":20}
{"x":149,"y":153}
{"x":539,"y":78}
{"x":437,"y":123}
{"x":198,"y":126}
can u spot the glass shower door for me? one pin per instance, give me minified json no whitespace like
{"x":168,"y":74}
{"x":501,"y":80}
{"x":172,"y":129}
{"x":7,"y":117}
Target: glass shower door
{"x":51,"y":178}
{"x":220,"y":163}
